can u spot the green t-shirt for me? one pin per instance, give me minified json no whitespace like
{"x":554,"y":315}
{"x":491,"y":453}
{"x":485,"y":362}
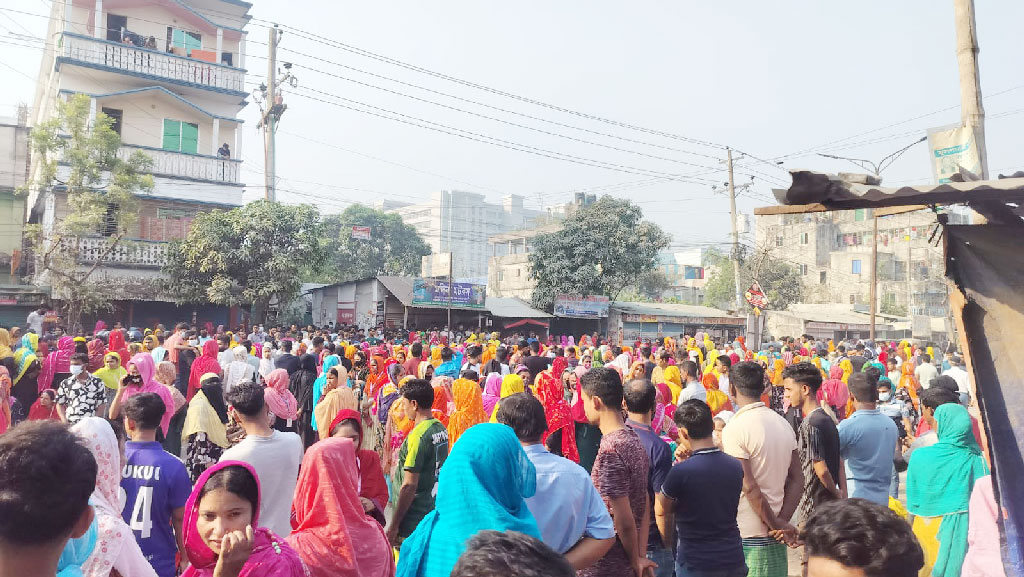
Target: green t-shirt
{"x":423,"y":452}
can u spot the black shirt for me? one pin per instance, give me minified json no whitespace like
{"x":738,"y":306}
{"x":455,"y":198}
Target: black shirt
{"x":649,"y":369}
{"x":536,"y":364}
{"x":288,"y":362}
{"x":817,"y":440}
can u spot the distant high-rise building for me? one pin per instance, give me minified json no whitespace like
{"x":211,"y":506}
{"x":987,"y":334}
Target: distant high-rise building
{"x":460,"y":222}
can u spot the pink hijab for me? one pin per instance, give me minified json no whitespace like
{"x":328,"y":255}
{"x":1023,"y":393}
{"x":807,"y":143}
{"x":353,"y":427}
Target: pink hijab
{"x":835,"y":388}
{"x":271,"y":556}
{"x":147,"y":370}
{"x":492,"y":392}
{"x":116,"y":547}
{"x":59,"y":361}
{"x":280,"y":400}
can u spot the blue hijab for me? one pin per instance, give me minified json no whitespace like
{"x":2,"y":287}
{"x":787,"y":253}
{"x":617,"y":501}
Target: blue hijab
{"x":318,"y":385}
{"x":76,"y":553}
{"x":483,"y":486}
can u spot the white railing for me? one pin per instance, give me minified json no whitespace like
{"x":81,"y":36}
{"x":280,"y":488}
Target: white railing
{"x":130,"y":58}
{"x":139,"y":253}
{"x":182,"y":164}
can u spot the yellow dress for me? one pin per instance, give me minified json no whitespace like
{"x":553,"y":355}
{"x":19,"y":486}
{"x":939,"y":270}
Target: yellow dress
{"x":926,"y":530}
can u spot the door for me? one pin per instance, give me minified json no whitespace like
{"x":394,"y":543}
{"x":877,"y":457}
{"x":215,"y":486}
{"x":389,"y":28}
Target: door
{"x":115,"y":24}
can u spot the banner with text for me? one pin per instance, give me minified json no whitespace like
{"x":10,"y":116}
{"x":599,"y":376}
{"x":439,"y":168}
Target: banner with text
{"x":360,"y":233}
{"x":591,"y":307}
{"x":951,"y":149}
{"x":434,"y":292}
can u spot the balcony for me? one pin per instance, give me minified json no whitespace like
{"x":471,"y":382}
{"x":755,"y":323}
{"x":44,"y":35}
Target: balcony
{"x":151,"y":63}
{"x":127,"y":253}
{"x":185,"y":165}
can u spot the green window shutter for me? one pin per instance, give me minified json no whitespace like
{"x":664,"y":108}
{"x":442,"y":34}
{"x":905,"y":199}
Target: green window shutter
{"x":178,"y":38}
{"x":193,"y":41}
{"x":172,"y":135}
{"x":189,"y":137}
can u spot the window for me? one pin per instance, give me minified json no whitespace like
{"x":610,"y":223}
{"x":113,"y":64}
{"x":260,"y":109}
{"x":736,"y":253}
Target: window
{"x":501,"y":275}
{"x":186,"y":41}
{"x":853,"y":299}
{"x":859,"y":214}
{"x":803,"y":270}
{"x":822,"y":277}
{"x":804,"y":238}
{"x":519,"y":271}
{"x":117,"y":116}
{"x":855,"y":266}
{"x":779,"y":240}
{"x":115,"y":24}
{"x":181,"y":136}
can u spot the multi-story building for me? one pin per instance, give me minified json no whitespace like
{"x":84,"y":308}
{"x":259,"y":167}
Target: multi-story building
{"x":171,"y":75}
{"x":685,"y":273}
{"x":832,"y":251}
{"x":459,"y":222}
{"x":508,"y":274}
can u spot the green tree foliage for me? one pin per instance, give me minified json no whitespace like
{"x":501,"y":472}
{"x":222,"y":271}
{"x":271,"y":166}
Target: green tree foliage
{"x":247,"y":255}
{"x":394,"y":248}
{"x":601,"y":249}
{"x":781,"y":282}
{"x":79,"y":161}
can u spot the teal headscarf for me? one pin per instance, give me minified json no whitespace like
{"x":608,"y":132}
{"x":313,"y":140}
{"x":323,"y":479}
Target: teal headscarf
{"x":940,"y":480}
{"x":76,"y":553}
{"x":318,"y":385}
{"x":483,"y":486}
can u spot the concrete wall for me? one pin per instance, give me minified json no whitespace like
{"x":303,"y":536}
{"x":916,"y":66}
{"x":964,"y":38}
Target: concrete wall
{"x":147,"y":20}
{"x":144,"y":114}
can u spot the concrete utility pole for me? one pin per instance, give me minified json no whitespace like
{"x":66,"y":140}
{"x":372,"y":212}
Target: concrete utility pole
{"x":972,"y":113}
{"x":735,"y":235}
{"x":268,"y":120}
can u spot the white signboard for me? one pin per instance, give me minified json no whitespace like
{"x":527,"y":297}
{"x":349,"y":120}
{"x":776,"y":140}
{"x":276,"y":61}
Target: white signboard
{"x":951,"y":148}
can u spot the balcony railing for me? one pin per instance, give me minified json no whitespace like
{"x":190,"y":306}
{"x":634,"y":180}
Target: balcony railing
{"x":127,"y":253}
{"x":185,"y":165}
{"x":128,"y":58}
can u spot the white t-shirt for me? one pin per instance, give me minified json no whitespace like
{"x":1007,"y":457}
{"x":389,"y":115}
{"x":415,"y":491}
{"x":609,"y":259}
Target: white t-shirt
{"x":693,"y":390}
{"x":960,"y":376}
{"x":35,"y":322}
{"x":925,"y":373}
{"x":276,"y":459}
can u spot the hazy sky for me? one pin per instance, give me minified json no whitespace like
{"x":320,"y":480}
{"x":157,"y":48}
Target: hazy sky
{"x":768,"y":78}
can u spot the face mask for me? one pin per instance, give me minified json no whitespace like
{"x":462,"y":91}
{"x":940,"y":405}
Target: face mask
{"x":76,"y":369}
{"x":884,"y":397}
{"x":193,"y":342}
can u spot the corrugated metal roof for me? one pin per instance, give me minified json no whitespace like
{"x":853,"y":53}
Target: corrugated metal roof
{"x":512,"y":307}
{"x":400,"y":286}
{"x":836,"y":191}
{"x":670,"y":310}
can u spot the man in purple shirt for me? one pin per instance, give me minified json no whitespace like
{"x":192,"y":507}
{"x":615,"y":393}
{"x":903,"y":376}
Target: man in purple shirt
{"x":640,"y":399}
{"x":156,"y":486}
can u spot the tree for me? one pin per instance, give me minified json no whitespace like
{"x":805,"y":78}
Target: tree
{"x":601,"y":249}
{"x":394,"y":248}
{"x":247,"y":255}
{"x":81,"y":160}
{"x":781,"y":282}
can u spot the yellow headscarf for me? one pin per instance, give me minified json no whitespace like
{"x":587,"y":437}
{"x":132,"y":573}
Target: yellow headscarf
{"x":469,"y":409}
{"x":5,"y":344}
{"x":202,"y":418}
{"x":674,"y":380}
{"x":111,"y":377}
{"x":777,"y":369}
{"x":847,"y":367}
{"x":435,"y":356}
{"x":510,"y":385}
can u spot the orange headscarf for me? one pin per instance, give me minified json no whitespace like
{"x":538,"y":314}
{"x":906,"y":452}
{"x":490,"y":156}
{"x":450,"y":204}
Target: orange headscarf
{"x":443,"y":402}
{"x":469,"y":409}
{"x":710,"y":382}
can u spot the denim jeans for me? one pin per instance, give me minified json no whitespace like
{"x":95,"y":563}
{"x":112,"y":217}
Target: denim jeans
{"x":736,"y":572}
{"x":665,"y":560}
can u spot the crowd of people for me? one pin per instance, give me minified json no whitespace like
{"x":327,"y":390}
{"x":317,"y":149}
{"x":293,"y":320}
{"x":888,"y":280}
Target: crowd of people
{"x":331,"y":452}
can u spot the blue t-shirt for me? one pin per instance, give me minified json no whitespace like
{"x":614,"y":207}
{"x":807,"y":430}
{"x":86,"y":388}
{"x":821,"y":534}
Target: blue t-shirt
{"x":867,"y":443}
{"x":660,"y":456}
{"x":706,"y":489}
{"x":155,"y":483}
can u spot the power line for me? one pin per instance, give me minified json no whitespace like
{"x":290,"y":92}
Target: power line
{"x":379,"y":57}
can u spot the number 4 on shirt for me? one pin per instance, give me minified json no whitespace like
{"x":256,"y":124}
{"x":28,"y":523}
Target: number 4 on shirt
{"x":142,"y":520}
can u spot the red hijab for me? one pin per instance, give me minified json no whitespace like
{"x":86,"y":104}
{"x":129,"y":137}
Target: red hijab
{"x":371,"y":476}
{"x":332,"y":534}
{"x":118,"y":346}
{"x":59,"y":361}
{"x":556,"y":410}
{"x":207,"y":363}
{"x":40,"y":413}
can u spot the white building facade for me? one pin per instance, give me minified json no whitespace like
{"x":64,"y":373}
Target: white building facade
{"x":460,"y":223}
{"x":171,"y":75}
